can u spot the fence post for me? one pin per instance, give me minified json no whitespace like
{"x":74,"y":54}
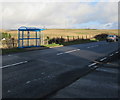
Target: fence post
{"x":68,"y":38}
{"x":78,"y":38}
{"x":61,"y":40}
{"x":86,"y":36}
{"x":82,"y":37}
{"x":73,"y":38}
{"x":13,"y":41}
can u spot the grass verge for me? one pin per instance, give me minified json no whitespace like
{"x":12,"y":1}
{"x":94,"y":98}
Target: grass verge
{"x":16,"y":50}
{"x":53,"y":45}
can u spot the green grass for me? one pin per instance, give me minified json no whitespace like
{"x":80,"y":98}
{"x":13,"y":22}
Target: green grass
{"x":12,"y":50}
{"x":16,"y":50}
{"x":52,"y":45}
{"x":78,"y":42}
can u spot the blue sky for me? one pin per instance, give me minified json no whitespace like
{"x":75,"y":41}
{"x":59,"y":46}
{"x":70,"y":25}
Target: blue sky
{"x":94,"y":15}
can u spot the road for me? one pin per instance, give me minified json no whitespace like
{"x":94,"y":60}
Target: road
{"x":36,"y":74}
{"x":100,"y":83}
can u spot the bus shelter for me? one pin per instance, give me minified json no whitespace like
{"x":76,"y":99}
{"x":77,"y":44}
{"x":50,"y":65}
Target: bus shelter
{"x":30,"y":37}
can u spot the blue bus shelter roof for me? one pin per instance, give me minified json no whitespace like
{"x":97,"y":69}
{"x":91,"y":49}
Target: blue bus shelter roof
{"x":30,"y":29}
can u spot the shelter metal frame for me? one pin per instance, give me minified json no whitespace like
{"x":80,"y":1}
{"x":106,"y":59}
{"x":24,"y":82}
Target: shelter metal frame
{"x":21,"y":36}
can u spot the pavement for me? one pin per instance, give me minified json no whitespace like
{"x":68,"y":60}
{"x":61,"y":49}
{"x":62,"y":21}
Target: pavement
{"x":37,"y":74}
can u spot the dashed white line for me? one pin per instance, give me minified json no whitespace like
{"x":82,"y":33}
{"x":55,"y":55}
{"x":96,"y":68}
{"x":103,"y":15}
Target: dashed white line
{"x":77,"y":49}
{"x":116,"y":52}
{"x":103,"y":59}
{"x":95,"y":66}
{"x":92,"y":64}
{"x":28,"y":82}
{"x":8,"y":91}
{"x":14,"y":64}
{"x":59,"y":53}
{"x":68,"y":51}
{"x":111,"y":54}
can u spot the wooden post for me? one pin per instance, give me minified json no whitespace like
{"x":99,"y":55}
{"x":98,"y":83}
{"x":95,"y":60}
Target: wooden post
{"x":13,"y":41}
{"x":82,"y":37}
{"x":61,"y":40}
{"x":78,"y":38}
{"x":68,"y":38}
{"x":73,"y":38}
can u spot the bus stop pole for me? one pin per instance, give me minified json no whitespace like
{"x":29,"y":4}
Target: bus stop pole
{"x":28,"y":38}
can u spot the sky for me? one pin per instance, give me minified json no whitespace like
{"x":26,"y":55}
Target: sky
{"x":72,"y":14}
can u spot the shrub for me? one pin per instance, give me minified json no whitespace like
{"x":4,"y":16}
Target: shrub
{"x":5,"y":35}
{"x":56,"y":40}
{"x":101,"y":36}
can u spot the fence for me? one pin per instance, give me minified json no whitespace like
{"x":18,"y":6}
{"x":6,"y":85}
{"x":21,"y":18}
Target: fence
{"x":11,"y":43}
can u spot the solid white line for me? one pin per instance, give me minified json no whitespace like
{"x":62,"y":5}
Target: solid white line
{"x":59,"y":53}
{"x":103,"y":59}
{"x":14,"y":64}
{"x":92,"y":64}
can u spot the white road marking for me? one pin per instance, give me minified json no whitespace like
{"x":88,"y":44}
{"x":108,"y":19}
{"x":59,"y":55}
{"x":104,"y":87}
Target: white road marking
{"x":103,"y":59}
{"x":107,"y":70}
{"x":8,"y":91}
{"x":14,"y":64}
{"x":68,"y":51}
{"x":77,"y":49}
{"x":28,"y":82}
{"x":92,"y":64}
{"x":116,"y":52}
{"x":72,"y":51}
{"x":88,"y":47}
{"x":59,"y":53}
{"x":111,"y":54}
{"x":95,"y":66}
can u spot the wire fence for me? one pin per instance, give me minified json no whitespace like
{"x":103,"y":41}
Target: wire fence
{"x":13,"y":43}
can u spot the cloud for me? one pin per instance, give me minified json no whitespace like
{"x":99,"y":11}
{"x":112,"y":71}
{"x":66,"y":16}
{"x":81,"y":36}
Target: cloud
{"x":59,"y":14}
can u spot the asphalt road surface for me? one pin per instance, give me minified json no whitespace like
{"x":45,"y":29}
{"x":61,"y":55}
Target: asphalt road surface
{"x":36,"y":74}
{"x":100,"y":83}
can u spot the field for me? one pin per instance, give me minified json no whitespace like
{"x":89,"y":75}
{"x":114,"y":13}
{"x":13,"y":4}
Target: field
{"x":71,"y":36}
{"x":69,"y":32}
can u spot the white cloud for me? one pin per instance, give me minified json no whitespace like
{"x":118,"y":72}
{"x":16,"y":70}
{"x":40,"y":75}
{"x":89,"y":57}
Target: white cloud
{"x":58,"y":14}
{"x":59,"y":0}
